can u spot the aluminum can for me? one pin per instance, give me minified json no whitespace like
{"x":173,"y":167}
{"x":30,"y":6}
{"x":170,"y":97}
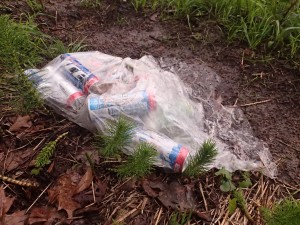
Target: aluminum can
{"x":172,"y":154}
{"x":133,"y":104}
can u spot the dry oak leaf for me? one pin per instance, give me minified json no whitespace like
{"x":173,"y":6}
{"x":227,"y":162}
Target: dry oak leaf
{"x":20,"y":123}
{"x":68,"y":185}
{"x":16,"y":218}
{"x":44,"y":214}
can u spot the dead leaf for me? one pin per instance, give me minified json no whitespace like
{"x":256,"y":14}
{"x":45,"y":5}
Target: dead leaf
{"x":66,"y":187}
{"x":203,"y":215}
{"x":16,"y":158}
{"x":174,"y":195}
{"x":16,"y":218}
{"x":86,"y":181}
{"x":146,"y":186}
{"x":20,"y":123}
{"x":44,"y":214}
{"x":5,"y":203}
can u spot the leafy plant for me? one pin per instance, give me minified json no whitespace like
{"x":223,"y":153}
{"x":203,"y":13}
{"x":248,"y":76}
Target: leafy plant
{"x":140,"y":163}
{"x":44,"y":156}
{"x":179,"y":218}
{"x":198,"y":163}
{"x":241,"y":203}
{"x":283,"y":213}
{"x":226,"y":182}
{"x":118,"y":134}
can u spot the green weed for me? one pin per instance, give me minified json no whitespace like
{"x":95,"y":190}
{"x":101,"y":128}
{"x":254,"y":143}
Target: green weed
{"x":178,"y":218}
{"x":44,"y":156}
{"x":283,"y":213}
{"x":198,"y":163}
{"x":140,"y":163}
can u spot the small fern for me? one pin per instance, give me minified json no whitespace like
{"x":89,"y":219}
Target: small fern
{"x":140,"y":163}
{"x":119,"y":134}
{"x":43,"y":158}
{"x":199,"y":162}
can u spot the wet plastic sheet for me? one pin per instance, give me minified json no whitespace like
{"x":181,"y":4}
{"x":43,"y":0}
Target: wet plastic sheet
{"x":91,"y":88}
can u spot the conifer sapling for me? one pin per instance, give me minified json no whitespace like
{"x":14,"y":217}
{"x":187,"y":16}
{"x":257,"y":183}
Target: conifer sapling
{"x":198,"y":163}
{"x":140,"y":163}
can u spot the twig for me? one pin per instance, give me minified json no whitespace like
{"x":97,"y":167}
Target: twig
{"x":158,"y":216}
{"x":288,"y":145}
{"x":38,"y":198}
{"x":254,"y":103}
{"x":203,"y":196}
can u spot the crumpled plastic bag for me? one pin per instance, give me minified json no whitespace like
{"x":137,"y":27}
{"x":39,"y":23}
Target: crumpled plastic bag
{"x":91,"y":88}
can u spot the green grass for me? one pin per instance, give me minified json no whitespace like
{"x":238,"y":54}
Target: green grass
{"x":24,"y":46}
{"x":286,"y":212}
{"x":271,"y":25}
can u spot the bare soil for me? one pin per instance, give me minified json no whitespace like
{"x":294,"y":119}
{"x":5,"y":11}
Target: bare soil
{"x":116,"y":29}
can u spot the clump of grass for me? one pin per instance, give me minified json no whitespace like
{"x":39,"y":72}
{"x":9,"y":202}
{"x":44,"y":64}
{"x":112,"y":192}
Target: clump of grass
{"x":21,"y":44}
{"x":198,"y":163}
{"x":272,"y":25}
{"x":140,"y":163}
{"x":35,"y":5}
{"x":119,"y":134}
{"x":283,"y":213}
{"x":44,"y":156}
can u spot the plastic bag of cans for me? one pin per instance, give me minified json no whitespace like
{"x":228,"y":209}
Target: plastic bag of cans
{"x":91,"y":88}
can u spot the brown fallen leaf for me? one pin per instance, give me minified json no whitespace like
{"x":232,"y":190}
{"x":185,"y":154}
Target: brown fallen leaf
{"x":150,"y":191}
{"x":16,"y":158}
{"x":66,"y":186}
{"x":20,"y":123}
{"x":85,"y":182}
{"x":44,"y":214}
{"x":16,"y":218}
{"x":174,"y":195}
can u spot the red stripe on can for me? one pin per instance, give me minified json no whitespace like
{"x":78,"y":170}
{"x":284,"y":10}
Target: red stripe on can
{"x":152,"y":101}
{"x":89,"y":83}
{"x":73,"y":97}
{"x":180,"y":159}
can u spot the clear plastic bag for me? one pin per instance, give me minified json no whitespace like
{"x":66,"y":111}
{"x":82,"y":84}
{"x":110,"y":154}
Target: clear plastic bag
{"x":90,"y":88}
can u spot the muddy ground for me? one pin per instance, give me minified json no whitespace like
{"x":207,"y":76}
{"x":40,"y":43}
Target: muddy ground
{"x":116,"y":29}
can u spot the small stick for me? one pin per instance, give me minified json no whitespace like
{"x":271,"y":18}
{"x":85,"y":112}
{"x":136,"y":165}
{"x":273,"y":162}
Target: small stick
{"x":204,"y":200}
{"x":288,"y":145}
{"x":249,"y":104}
{"x":38,"y":198}
{"x":158,"y":217}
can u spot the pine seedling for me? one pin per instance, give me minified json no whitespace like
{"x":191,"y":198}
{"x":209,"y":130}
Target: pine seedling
{"x":203,"y":157}
{"x":140,"y":163}
{"x":119,"y":134}
{"x":43,"y":158}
